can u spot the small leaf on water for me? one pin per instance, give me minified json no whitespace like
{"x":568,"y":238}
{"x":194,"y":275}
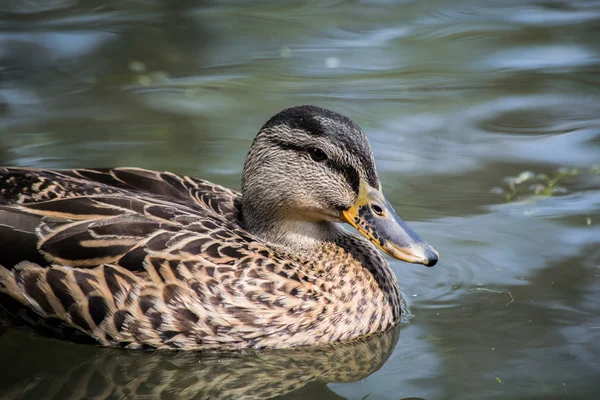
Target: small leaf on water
{"x":524,"y":176}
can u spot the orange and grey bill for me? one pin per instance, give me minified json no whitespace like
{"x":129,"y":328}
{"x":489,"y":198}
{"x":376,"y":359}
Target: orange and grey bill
{"x":373,"y":216}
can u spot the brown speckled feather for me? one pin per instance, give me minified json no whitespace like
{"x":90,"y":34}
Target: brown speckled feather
{"x":137,"y":258}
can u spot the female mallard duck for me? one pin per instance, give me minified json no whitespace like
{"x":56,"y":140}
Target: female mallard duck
{"x":136,"y":258}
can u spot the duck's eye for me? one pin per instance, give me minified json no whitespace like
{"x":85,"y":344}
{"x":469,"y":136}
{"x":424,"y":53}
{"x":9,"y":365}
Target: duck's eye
{"x":377,"y":209}
{"x":317,"y":155}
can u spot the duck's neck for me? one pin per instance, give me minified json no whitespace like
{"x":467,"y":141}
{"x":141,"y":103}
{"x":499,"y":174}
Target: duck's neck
{"x":292,"y":234}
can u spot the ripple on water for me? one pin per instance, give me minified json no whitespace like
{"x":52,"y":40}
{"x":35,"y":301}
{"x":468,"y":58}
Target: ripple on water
{"x":537,"y":115}
{"x":20,"y":7}
{"x":574,"y":12}
{"x":552,"y":129}
{"x":545,"y":57}
{"x":545,"y":13}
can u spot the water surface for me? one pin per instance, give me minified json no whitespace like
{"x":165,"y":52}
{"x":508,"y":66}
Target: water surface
{"x":455,"y":96}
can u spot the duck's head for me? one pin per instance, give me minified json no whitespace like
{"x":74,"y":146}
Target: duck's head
{"x":309,"y":168}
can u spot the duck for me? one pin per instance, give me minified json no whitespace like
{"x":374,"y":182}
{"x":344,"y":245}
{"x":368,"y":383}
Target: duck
{"x":142,"y":259}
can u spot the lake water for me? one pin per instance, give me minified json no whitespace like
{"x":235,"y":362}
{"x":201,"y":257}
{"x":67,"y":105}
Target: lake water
{"x":484,"y":117}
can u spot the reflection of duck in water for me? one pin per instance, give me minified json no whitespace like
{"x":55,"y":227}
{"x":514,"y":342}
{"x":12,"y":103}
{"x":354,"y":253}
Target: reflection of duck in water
{"x":87,"y":372}
{"x":139,"y":258}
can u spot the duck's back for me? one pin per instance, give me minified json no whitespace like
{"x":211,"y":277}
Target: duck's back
{"x":89,"y":217}
{"x":26,"y":186}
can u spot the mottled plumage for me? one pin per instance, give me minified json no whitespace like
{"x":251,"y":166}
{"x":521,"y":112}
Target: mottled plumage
{"x":144,"y":259}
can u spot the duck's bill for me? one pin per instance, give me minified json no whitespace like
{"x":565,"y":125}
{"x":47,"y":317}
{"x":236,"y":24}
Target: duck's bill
{"x":373,"y":216}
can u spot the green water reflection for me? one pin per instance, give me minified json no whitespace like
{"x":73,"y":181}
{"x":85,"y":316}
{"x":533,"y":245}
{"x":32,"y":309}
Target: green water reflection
{"x":454,"y":97}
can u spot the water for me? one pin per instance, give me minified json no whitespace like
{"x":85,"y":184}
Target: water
{"x":454,"y":96}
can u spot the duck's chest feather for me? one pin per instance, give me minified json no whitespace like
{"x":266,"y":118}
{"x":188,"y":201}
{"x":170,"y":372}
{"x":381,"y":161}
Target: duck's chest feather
{"x":283,"y":300}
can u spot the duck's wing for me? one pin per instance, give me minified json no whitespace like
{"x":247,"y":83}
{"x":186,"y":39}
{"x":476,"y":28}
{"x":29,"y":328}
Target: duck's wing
{"x":91,"y":231}
{"x":89,"y":217}
{"x":23,"y":186}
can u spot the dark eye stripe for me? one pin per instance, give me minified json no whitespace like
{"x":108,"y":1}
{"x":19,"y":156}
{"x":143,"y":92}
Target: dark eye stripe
{"x":288,"y":146}
{"x":349,"y":172}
